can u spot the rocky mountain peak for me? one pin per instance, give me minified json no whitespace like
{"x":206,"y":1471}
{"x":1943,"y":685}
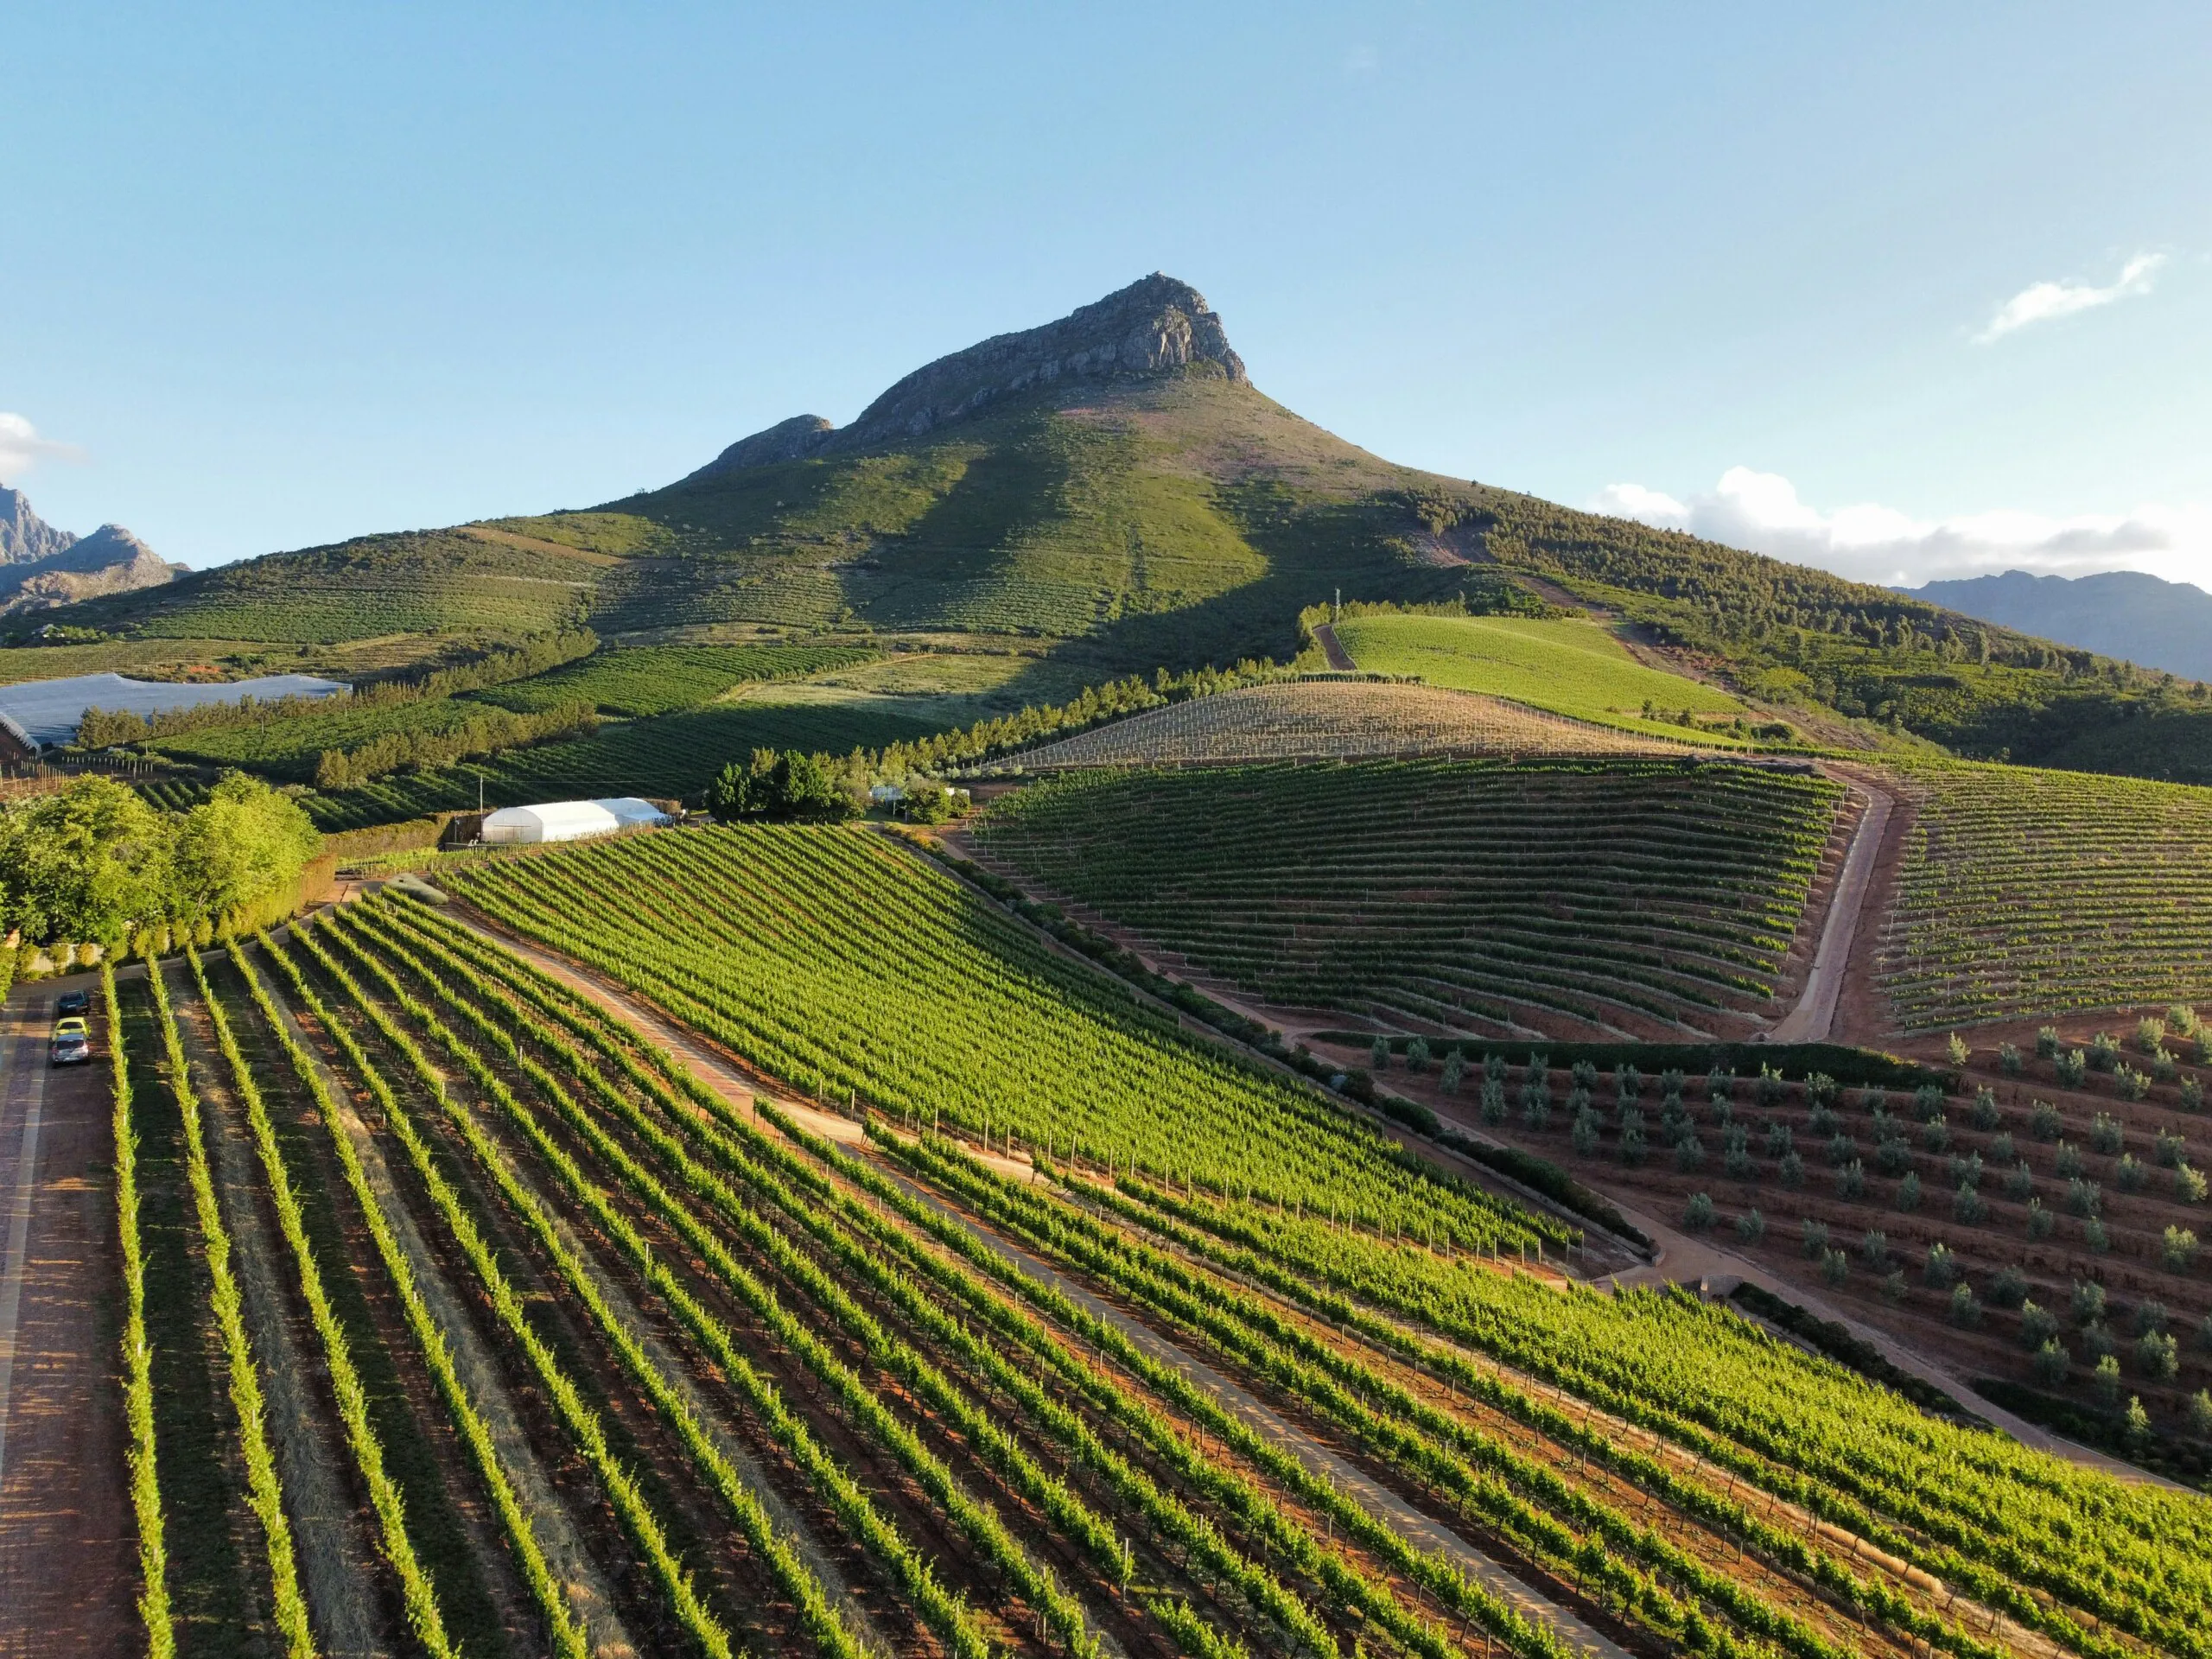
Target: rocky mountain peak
{"x":25,"y":537}
{"x":1157,"y":325}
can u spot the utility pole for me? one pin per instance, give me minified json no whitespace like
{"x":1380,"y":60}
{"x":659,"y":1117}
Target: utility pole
{"x":1336,"y":612}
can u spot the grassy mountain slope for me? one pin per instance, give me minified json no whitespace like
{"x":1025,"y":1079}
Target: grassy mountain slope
{"x":1160,"y":512}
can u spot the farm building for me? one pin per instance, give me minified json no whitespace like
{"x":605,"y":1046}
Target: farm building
{"x":527,"y":826}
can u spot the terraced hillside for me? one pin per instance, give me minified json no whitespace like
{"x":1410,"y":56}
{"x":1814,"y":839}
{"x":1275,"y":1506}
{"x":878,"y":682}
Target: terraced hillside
{"x":1556,"y":897}
{"x":2025,"y":893}
{"x":1309,"y":718}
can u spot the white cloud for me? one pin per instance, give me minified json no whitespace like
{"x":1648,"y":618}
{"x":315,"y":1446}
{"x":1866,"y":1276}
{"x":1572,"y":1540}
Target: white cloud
{"x":22,"y":448}
{"x":2042,"y":301}
{"x":1868,"y":542}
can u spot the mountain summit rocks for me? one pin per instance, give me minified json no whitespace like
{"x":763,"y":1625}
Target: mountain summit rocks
{"x":41,"y":567}
{"x":1155,"y":326}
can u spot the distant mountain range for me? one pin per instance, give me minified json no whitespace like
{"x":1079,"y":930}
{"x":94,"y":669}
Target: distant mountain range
{"x":2120,"y":613}
{"x":43,"y":567}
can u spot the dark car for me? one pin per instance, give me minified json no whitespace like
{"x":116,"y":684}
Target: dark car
{"x":73,"y":1002}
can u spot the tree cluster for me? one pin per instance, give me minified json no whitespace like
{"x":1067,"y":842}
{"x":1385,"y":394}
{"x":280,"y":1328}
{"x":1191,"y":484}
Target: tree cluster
{"x":782,"y":788}
{"x":484,"y":734}
{"x":95,"y":863}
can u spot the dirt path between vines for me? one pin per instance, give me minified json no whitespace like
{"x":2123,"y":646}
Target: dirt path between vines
{"x":738,"y":1083}
{"x":340,"y":1566}
{"x":1813,"y":1018}
{"x":1340,"y":659}
{"x":589,"y":1597}
{"x":68,"y":1557}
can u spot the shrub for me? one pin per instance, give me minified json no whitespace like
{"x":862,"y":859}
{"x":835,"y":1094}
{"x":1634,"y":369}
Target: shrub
{"x":1769,"y":1089}
{"x":1751,"y":1226}
{"x":1835,"y":1267}
{"x":1908,"y":1198}
{"x":1719,"y":1084}
{"x":1584,"y":1073}
{"x":2042,"y":1223}
{"x":2010,"y":1288}
{"x":1417,"y":1055}
{"x":1628,"y":1082}
{"x":1671,"y":1083}
{"x":1965,"y":1311}
{"x":1927,"y":1102}
{"x":1578,"y":1105}
{"x":2132,"y":1174}
{"x":2008,"y":1060}
{"x":1985,"y":1115}
{"x":2199,"y":1414}
{"x":1935,"y":1134}
{"x":2192,"y":1094}
{"x":2037,"y":1325}
{"x":2149,"y":1314}
{"x":1956,"y":1049}
{"x":1585,"y":1133}
{"x":1738,"y":1161}
{"x":2086,"y":1301}
{"x":1874,"y":1246}
{"x":1842,"y":1149}
{"x":2164,"y":1067}
{"x":1455,"y":1068}
{"x":1689,"y":1155}
{"x":1894,"y":1288}
{"x":1966,"y":1171}
{"x":1895,"y":1157}
{"x":2180,"y":1020}
{"x":1493,"y":1106}
{"x":1494,"y":1068}
{"x":2104,"y":1052}
{"x":2073,"y":1067}
{"x":2020,"y":1182}
{"x":1633,"y":1145}
{"x":2177,"y":1249}
{"x":2129,"y":1084}
{"x":1814,"y":1237}
{"x":2050,"y":1364}
{"x":2157,"y":1356}
{"x":2170,"y":1148}
{"x":1537,"y":1106}
{"x":1823,"y":1122}
{"x":1779,"y":1139}
{"x":2001,"y":1146}
{"x":1967,"y":1207}
{"x":1791,"y":1170}
{"x":2189,"y":1185}
{"x":2094,"y":1238}
{"x":1874,"y":1100}
{"x":2068,"y":1163}
{"x":2044,"y":1121}
{"x":2106,"y":1382}
{"x":1378,"y":1055}
{"x":1822,"y":1090}
{"x":2150,"y":1034}
{"x":1850,"y":1181}
{"x":1697,"y":1214}
{"x":2084,"y":1198}
{"x":2047,"y":1043}
{"x":1941,"y":1268}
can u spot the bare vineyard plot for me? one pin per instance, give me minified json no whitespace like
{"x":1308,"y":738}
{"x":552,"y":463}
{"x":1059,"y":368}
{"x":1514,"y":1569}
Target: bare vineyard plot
{"x":1344,"y":718}
{"x":2027,"y":893}
{"x":1658,"y":898}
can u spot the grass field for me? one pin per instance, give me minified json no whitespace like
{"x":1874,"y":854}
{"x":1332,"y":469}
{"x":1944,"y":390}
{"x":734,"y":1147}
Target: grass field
{"x":1567,"y":666}
{"x":662,"y":680}
{"x":1556,"y":897}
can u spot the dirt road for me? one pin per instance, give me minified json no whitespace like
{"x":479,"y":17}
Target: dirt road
{"x":1813,"y":1018}
{"x":68,"y":1555}
{"x":1339,"y":658}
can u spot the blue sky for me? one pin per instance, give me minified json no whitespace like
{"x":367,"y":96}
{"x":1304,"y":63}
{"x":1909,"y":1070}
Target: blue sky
{"x":277,"y":276}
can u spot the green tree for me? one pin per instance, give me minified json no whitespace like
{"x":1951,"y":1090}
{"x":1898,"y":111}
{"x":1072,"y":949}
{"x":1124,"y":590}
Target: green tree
{"x":781,"y":788}
{"x":89,"y":863}
{"x":244,"y":842}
